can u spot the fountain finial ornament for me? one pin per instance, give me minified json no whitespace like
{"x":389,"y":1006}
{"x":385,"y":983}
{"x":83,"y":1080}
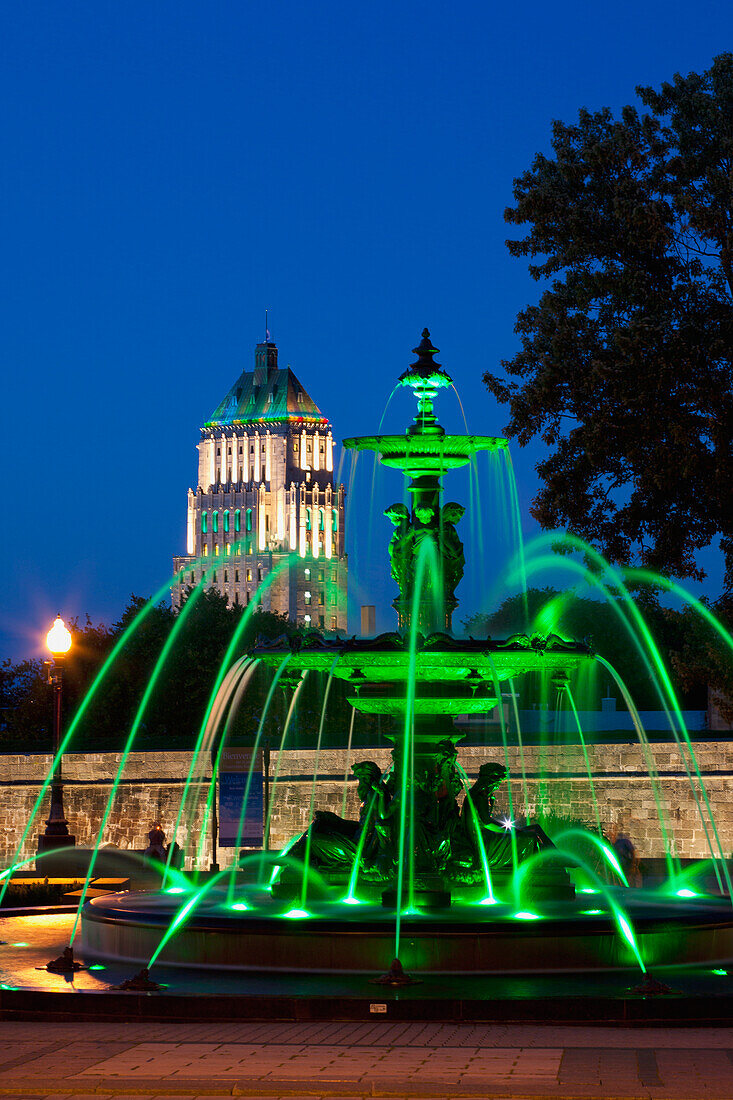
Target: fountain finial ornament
{"x":425,"y":377}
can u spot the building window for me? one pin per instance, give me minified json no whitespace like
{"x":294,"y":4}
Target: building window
{"x":204,"y":522}
{"x":334,"y":519}
{"x":249,"y":519}
{"x":320,"y":519}
{"x":320,"y":620}
{"x":206,"y":551}
{"x":215,"y":521}
{"x":216,"y":549}
{"x":193,"y":578}
{"x":226,"y":576}
{"x":320,"y":598}
{"x":226,"y":519}
{"x":307,"y":619}
{"x":214,"y":578}
{"x":236,"y":576}
{"x":228,"y":549}
{"x":218,"y":450}
{"x":320,"y":574}
{"x":307,"y":519}
{"x":334,"y":622}
{"x":307,"y":572}
{"x":307,"y":596}
{"x":300,"y":397}
{"x":238,"y":520}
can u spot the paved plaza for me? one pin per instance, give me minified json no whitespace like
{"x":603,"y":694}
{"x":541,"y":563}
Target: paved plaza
{"x":368,"y":1059}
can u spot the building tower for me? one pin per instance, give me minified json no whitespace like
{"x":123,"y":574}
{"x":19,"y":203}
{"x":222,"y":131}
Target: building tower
{"x":266,"y":500}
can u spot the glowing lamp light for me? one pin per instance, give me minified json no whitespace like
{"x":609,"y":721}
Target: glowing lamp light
{"x":241,"y":906}
{"x":524,"y":914}
{"x":58,"y":639}
{"x":507,"y":823}
{"x":488,"y":901}
{"x":685,"y":893}
{"x":175,"y":890}
{"x":721,"y":973}
{"x":296,"y":914}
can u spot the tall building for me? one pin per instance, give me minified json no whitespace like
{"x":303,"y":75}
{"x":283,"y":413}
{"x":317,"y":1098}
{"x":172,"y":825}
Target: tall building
{"x":265,"y":501}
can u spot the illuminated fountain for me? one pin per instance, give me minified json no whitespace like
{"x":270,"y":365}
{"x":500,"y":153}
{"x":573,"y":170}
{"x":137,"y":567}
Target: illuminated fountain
{"x":427,"y":874}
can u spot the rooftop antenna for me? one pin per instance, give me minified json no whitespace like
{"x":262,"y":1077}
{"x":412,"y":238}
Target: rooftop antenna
{"x":267,"y":331}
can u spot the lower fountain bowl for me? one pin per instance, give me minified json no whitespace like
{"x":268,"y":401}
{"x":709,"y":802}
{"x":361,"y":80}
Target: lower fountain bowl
{"x":467,"y":939}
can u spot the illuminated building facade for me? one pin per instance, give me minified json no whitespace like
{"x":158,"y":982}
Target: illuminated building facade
{"x":266,"y":502}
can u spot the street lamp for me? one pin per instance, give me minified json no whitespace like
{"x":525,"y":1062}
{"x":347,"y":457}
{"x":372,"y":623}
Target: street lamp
{"x":56,"y":835}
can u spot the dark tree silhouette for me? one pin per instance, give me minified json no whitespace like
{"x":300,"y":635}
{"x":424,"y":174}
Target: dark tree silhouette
{"x":626,"y":362}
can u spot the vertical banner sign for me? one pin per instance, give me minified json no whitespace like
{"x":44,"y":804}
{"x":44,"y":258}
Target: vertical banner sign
{"x":234,"y":769}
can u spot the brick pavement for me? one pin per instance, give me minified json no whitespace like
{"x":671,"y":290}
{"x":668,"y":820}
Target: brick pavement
{"x":355,"y":1060}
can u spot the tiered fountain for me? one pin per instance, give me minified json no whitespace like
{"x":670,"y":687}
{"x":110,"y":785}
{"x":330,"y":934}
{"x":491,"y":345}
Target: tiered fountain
{"x":440,"y":885}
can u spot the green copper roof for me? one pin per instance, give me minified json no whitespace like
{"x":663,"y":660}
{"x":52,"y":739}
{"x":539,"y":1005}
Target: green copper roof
{"x":280,"y":397}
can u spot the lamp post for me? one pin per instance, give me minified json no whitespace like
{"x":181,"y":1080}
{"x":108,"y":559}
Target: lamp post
{"x":56,"y":835}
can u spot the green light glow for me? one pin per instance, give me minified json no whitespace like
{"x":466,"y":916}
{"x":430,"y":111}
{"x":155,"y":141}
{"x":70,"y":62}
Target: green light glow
{"x":611,"y":857}
{"x":4,"y":986}
{"x":354,"y":876}
{"x":351,"y":900}
{"x":309,"y":834}
{"x":20,"y":945}
{"x":488,"y":901}
{"x":668,"y":697}
{"x":175,"y":890}
{"x":685,"y":893}
{"x":240,"y":905}
{"x":97,"y":966}
{"x":296,"y":914}
{"x":629,"y":936}
{"x":548,"y":561}
{"x":587,"y":890}
{"x":162,"y":592}
{"x":722,"y":973}
{"x":212,"y":718}
{"x":590,"y":912}
{"x":524,"y":914}
{"x":129,"y":743}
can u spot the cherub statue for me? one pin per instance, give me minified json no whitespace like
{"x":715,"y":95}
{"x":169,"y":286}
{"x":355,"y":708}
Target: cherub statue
{"x":500,"y":838}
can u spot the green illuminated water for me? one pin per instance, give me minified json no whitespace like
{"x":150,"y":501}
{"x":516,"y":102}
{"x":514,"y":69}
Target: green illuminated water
{"x":667,"y":692}
{"x":243,"y":810}
{"x":620,"y":916}
{"x":147,"y":694}
{"x":589,"y":772}
{"x":306,"y":866}
{"x":347,"y":766}
{"x":540,"y":563}
{"x":279,"y":758}
{"x":99,"y":679}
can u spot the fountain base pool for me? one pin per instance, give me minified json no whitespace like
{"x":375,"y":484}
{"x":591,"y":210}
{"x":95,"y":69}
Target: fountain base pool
{"x":360,"y":939}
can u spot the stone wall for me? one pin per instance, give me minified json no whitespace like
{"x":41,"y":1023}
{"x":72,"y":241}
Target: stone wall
{"x":552,"y":780}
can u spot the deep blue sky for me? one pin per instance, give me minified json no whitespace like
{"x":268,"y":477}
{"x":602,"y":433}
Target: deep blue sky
{"x":171,"y":169}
